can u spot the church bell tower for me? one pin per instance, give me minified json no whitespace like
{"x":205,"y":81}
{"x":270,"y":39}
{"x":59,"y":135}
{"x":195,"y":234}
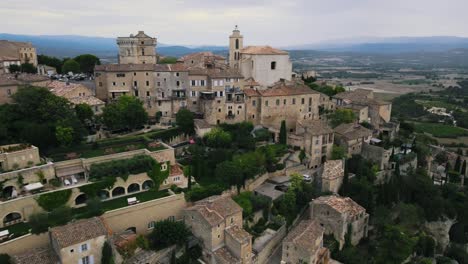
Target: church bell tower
{"x":236,"y":43}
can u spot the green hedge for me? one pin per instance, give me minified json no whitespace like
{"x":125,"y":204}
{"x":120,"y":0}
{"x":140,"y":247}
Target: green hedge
{"x":54,"y":200}
{"x":122,"y":168}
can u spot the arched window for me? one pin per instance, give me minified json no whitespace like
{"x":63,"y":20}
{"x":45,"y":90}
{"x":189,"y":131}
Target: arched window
{"x":12,"y":218}
{"x":143,"y":52}
{"x":118,"y":191}
{"x":134,"y":187}
{"x":237,"y":43}
{"x":81,"y":199}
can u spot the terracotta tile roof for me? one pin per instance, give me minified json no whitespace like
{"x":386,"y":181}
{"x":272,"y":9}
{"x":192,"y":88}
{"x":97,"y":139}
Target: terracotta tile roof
{"x":315,"y":127}
{"x":354,"y":95}
{"x":262,"y":50}
{"x":216,"y":73}
{"x":176,"y":170}
{"x":251,"y":82}
{"x":62,"y":88}
{"x":333,"y":169}
{"x":176,"y":67}
{"x":78,"y":231}
{"x":36,"y":256}
{"x":239,"y":234}
{"x":223,"y":256}
{"x":216,"y":208}
{"x":343,"y":205}
{"x":89,"y":100}
{"x":352,"y":131}
{"x":201,"y":55}
{"x":281,"y":89}
{"x":305,"y":234}
{"x":7,"y":80}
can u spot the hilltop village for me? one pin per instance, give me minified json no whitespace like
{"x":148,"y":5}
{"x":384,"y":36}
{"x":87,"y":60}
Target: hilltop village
{"x":208,"y":159}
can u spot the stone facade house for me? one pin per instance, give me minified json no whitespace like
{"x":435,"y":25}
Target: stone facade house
{"x":217,"y":222}
{"x":304,"y":244}
{"x":80,"y":241}
{"x":379,"y":112}
{"x":13,"y":52}
{"x":288,"y":101}
{"x":332,"y":176}
{"x":18,"y":156}
{"x":339,"y":215}
{"x":351,"y":136}
{"x":205,"y":60}
{"x":11,"y":83}
{"x":316,"y":138}
{"x":77,"y":94}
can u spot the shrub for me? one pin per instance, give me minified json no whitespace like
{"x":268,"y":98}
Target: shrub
{"x":55,"y":182}
{"x":142,"y":242}
{"x":122,"y":168}
{"x":53,"y":200}
{"x":167,"y":233}
{"x":60,"y":216}
{"x":39,"y":223}
{"x":94,"y":206}
{"x":199,"y":192}
{"x":5,"y":258}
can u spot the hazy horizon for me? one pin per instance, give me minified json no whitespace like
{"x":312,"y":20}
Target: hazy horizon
{"x":209,"y":22}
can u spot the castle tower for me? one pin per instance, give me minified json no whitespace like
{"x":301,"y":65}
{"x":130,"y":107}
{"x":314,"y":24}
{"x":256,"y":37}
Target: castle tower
{"x":236,"y":43}
{"x":139,"y":49}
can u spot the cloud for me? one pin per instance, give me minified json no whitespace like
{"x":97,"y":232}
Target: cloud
{"x":271,"y":22}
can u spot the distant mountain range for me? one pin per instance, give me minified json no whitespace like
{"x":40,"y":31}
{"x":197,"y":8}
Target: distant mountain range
{"x":70,"y":45}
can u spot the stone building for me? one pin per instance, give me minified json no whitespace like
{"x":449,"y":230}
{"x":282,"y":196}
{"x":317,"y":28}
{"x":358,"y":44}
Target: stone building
{"x":378,"y":155}
{"x":10,"y":84}
{"x":217,"y":222}
{"x":138,"y":49}
{"x":316,"y":138}
{"x":351,"y":136}
{"x":379,"y":112}
{"x":332,"y":176}
{"x":161,"y":87}
{"x":203,"y":60}
{"x":77,"y":94}
{"x":217,"y":94}
{"x":80,"y":241}
{"x":304,"y":244}
{"x":339,"y":215}
{"x":288,"y":101}
{"x":18,"y":156}
{"x":264,"y":64}
{"x":12,"y":52}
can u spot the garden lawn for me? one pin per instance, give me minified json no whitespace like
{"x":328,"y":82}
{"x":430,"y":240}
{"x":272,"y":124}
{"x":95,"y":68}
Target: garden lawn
{"x":18,"y":230}
{"x":440,"y":130}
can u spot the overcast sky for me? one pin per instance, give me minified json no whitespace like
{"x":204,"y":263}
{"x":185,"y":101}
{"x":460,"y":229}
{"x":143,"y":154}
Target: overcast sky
{"x":273,"y":22}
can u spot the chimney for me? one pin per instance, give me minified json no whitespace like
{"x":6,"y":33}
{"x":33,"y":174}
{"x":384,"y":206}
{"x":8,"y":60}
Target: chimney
{"x":141,"y":32}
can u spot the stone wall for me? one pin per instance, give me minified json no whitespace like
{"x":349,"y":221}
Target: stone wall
{"x":271,"y":245}
{"x":20,"y":244}
{"x":140,"y":215}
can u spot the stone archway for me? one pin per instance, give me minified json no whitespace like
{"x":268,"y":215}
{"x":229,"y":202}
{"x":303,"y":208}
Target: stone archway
{"x":148,"y":184}
{"x":103,"y":194}
{"x":134,"y":187}
{"x":118,"y":191}
{"x":9,"y":192}
{"x":81,"y":199}
{"x":12,"y":218}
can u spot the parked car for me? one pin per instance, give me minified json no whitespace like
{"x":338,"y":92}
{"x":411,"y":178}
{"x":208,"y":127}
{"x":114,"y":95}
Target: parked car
{"x":307,"y":178}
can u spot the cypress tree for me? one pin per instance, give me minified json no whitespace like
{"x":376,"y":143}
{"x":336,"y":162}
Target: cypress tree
{"x":458,"y":164}
{"x":283,"y":134}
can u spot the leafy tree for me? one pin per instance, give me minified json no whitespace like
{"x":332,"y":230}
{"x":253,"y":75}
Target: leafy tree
{"x":39,"y":223}
{"x":167,"y":60}
{"x":126,"y":112}
{"x":400,"y":243}
{"x":230,"y":173}
{"x":60,"y":216}
{"x":84,"y":112}
{"x":14,"y":68}
{"x":167,"y":233}
{"x":283,"y":133}
{"x":107,"y":256}
{"x":71,"y":66}
{"x":87,"y":62}
{"x":5,"y":259}
{"x":64,"y":135}
{"x":218,"y":138}
{"x":50,"y":61}
{"x":342,"y":116}
{"x":142,"y":242}
{"x":28,"y":68}
{"x":338,"y":152}
{"x":184,"y":119}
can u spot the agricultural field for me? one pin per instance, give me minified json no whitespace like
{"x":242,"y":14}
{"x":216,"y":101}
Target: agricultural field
{"x":440,"y":130}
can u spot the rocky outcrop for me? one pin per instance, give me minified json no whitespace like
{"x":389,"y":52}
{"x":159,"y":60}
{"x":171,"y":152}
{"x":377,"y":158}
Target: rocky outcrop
{"x":439,"y":230}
